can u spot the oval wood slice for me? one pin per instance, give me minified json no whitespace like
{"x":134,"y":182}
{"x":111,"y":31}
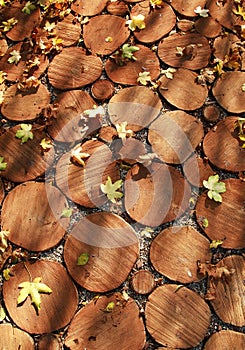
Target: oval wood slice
{"x":94,"y":328}
{"x":185,"y":25}
{"x":99,"y":28}
{"x":69,"y":123}
{"x":128,"y":73}
{"x":176,"y":317}
{"x":15,"y":71}
{"x":57,"y":308}
{"x":229,"y":213}
{"x":143,"y":282}
{"x":224,"y":44}
{"x":49,"y":342}
{"x":88,"y":7}
{"x":112,"y":248}
{"x":82,"y":184}
{"x":117,"y":8}
{"x":223,"y":13}
{"x":231,"y":155}
{"x":21,"y":105}
{"x":208,"y":26}
{"x":72,"y":69}
{"x":195,"y":52}
{"x":156,"y":25}
{"x":102,"y":89}
{"x":130,"y":150}
{"x":187,"y":7}
{"x":183,"y":91}
{"x":228,"y":91}
{"x":229,"y":296}
{"x":211,"y":113}
{"x":155,"y":195}
{"x":189,"y":246}
{"x":29,"y":208}
{"x":196,"y":170}
{"x":174,"y":136}
{"x":12,"y":338}
{"x":226,"y":339}
{"x":24,"y":161}
{"x":26,"y":22}
{"x":3,"y":47}
{"x":137,"y":105}
{"x":69,"y":30}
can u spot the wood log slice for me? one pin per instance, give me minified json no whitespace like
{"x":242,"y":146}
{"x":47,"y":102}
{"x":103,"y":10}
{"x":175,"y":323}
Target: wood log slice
{"x":187,"y":7}
{"x":112,"y":249}
{"x":229,"y":213}
{"x":225,"y":338}
{"x":69,"y":30}
{"x":177,"y":317}
{"x":12,"y":338}
{"x":196,"y":170}
{"x":223,"y":13}
{"x":88,"y":8}
{"x":208,"y":26}
{"x":143,"y":282}
{"x":54,"y":312}
{"x":102,"y":89}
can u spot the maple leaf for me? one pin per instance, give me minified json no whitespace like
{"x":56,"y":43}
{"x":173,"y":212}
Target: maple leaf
{"x":144,"y":78}
{"x":219,"y":67}
{"x":33,"y":289}
{"x":215,"y":243}
{"x":83,"y":259}
{"x":15,"y":57}
{"x":128,"y":51}
{"x":46,"y":144}
{"x":7,"y":25}
{"x":3,"y":240}
{"x":109,"y":307}
{"x":201,"y":12}
{"x":169,"y":73}
{"x":215,"y":187}
{"x":77,"y":155}
{"x":240,"y":11}
{"x":24,"y":133}
{"x":3,"y":165}
{"x":49,"y":27}
{"x":110,"y":189}
{"x":2,"y":76}
{"x":122,"y":132}
{"x":28,"y":8}
{"x":136,"y":22}
{"x":155,"y":3}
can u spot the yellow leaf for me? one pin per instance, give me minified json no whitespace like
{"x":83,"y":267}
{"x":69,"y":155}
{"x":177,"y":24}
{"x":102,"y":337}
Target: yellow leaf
{"x":144,"y":78}
{"x":122,"y":132}
{"x":46,"y":144}
{"x":110,"y":189}
{"x":215,"y":243}
{"x":240,"y":11}
{"x":110,"y":306}
{"x":136,"y":22}
{"x":77,"y":155}
{"x":3,"y":240}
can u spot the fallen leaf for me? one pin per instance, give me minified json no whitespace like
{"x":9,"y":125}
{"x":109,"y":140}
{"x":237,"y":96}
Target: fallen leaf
{"x":136,"y":22}
{"x":122,"y":132}
{"x":215,"y":187}
{"x":3,"y":240}
{"x":215,"y":243}
{"x":3,"y":165}
{"x":144,"y":78}
{"x":66,"y":213}
{"x":24,"y":133}
{"x":83,"y":259}
{"x":109,"y":307}
{"x":46,"y":144}
{"x":15,"y":57}
{"x":110,"y":189}
{"x":201,"y":12}
{"x":2,"y":313}
{"x":78,"y":156}
{"x":240,"y":11}
{"x":33,"y":289}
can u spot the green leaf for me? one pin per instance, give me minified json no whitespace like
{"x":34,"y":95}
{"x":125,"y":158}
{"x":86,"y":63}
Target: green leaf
{"x":110,"y":189}
{"x":33,"y":289}
{"x":66,"y":213}
{"x":2,"y":313}
{"x":83,"y":259}
{"x":216,"y":197}
{"x":215,"y":187}
{"x":204,"y":222}
{"x":128,"y":51}
{"x":24,"y":133}
{"x":3,"y":165}
{"x":28,"y":8}
{"x":109,"y":307}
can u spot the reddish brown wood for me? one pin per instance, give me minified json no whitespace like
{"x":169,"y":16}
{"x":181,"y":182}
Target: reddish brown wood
{"x":225,"y":338}
{"x":228,"y":91}
{"x":3,"y":47}
{"x":211,"y":113}
{"x":82,"y":184}
{"x":102,"y":89}
{"x":209,"y":27}
{"x":228,"y":301}
{"x":2,"y":191}
{"x":72,"y":68}
{"x":183,"y":91}
{"x":112,"y":246}
{"x":230,"y":212}
{"x":130,"y":150}
{"x":107,"y":133}
{"x":155,"y":25}
{"x":170,"y":127}
{"x":24,"y":161}
{"x":122,"y":328}
{"x":137,"y":105}
{"x":49,"y":342}
{"x":21,"y":105}
{"x":128,"y":73}
{"x":88,"y":8}
{"x":34,"y":207}
{"x":66,"y":124}
{"x":69,"y":30}
{"x":196,"y":51}
{"x":224,"y":13}
{"x":230,"y":155}
{"x":196,"y":170}
{"x":143,"y":282}
{"x":155,"y":195}
{"x":224,"y":44}
{"x":177,"y":317}
{"x":189,"y":246}
{"x":185,"y":25}
{"x":187,"y":7}
{"x":54,"y":313}
{"x":97,"y":31}
{"x":117,"y":8}
{"x":13,"y":338}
